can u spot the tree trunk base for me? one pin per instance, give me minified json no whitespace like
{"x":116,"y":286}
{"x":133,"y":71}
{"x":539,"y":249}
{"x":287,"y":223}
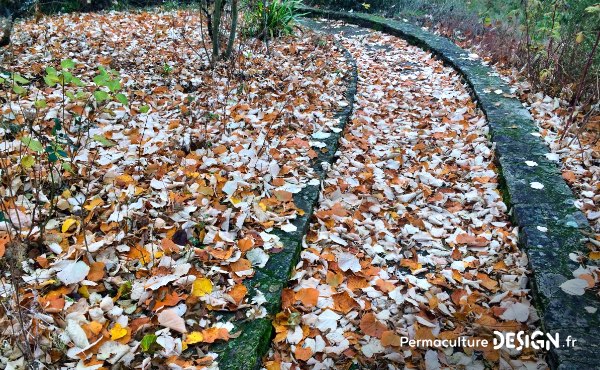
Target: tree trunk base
{"x":5,"y":28}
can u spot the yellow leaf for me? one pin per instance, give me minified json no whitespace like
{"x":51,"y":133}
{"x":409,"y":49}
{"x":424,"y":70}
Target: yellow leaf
{"x":84,"y":291}
{"x":202,"y":287}
{"x":194,"y":337}
{"x":68,"y":223}
{"x":124,"y":180}
{"x":595,"y":256}
{"x":117,"y":332}
{"x":93,"y":204}
{"x":580,"y":37}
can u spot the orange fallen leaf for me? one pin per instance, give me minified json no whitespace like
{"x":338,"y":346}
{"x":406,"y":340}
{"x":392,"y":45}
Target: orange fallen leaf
{"x":423,"y":332}
{"x":96,"y":271}
{"x":487,"y":282}
{"x":384,"y":286}
{"x":371,"y":326}
{"x":471,"y":240}
{"x":334,"y":279}
{"x":282,"y":195}
{"x":220,"y":254}
{"x":240,"y":265}
{"x":169,"y":246}
{"x":3,"y":242}
{"x":287,"y":298}
{"x":569,"y":176}
{"x":213,"y":334}
{"x":589,"y":278}
{"x":308,"y":296}
{"x":238,"y":293}
{"x":170,"y":300}
{"x":357,"y":282}
{"x":94,"y":327}
{"x":342,"y":302}
{"x":124,"y":180}
{"x":245,"y":244}
{"x":303,"y":354}
{"x":389,"y":338}
{"x":273,"y":365}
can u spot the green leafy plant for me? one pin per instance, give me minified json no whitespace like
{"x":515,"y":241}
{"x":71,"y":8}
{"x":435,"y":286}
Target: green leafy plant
{"x":166,"y":69}
{"x":48,"y":148}
{"x":48,"y":135}
{"x":276,"y":19}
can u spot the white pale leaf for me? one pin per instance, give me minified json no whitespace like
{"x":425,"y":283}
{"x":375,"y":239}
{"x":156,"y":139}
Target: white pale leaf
{"x":516,"y":311}
{"x":321,"y":135}
{"x":537,"y":185}
{"x":257,"y":257}
{"x":170,"y":319}
{"x":77,"y":334}
{"x":288,"y":228}
{"x":296,"y":335}
{"x":327,"y":320}
{"x":348,"y":261}
{"x":73,"y":272}
{"x":157,"y":184}
{"x":230,"y":187}
{"x":574,"y":286}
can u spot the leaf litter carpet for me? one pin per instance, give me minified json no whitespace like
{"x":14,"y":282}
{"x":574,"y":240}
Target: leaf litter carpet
{"x":411,"y":237}
{"x":173,"y":196}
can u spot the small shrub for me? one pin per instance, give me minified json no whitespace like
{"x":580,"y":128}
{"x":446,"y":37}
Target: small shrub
{"x":277,"y":19}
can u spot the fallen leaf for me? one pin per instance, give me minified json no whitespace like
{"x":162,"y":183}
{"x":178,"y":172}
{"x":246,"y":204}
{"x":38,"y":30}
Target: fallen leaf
{"x":371,"y":326}
{"x":303,"y":354}
{"x":117,"y":332}
{"x":194,"y":337}
{"x":342,"y":302}
{"x":389,"y":338}
{"x":574,"y":286}
{"x":238,"y":292}
{"x":96,"y":271}
{"x":202,"y":287}
{"x":170,"y":319}
{"x":308,"y":296}
{"x":68,"y":223}
{"x":73,"y":272}
{"x":472,"y":240}
{"x":213,"y":334}
{"x":347,"y":261}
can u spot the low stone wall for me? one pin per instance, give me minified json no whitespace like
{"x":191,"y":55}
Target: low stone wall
{"x":245,"y":352}
{"x":550,"y":225}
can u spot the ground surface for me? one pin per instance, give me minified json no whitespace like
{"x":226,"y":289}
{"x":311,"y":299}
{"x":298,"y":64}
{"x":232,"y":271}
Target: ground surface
{"x":170,"y":199}
{"x":169,"y":202}
{"x":411,"y":237}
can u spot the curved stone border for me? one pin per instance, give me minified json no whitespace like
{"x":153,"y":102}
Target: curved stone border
{"x":550,"y":225}
{"x":245,"y":352}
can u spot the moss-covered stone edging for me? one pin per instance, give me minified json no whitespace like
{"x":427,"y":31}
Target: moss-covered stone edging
{"x":550,"y":227}
{"x":245,"y":351}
